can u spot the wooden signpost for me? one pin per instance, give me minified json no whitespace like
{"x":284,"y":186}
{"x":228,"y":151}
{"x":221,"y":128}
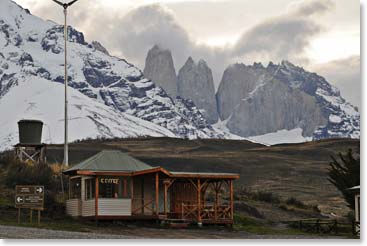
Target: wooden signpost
{"x":30,"y":196}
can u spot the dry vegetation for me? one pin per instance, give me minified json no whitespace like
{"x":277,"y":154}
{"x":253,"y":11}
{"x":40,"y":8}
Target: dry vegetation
{"x":290,"y":170}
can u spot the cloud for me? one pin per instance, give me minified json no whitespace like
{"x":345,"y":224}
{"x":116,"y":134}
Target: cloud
{"x":344,"y":74}
{"x":283,"y":37}
{"x":132,"y":32}
{"x":146,"y":26}
{"x":309,"y":8}
{"x":286,"y":36}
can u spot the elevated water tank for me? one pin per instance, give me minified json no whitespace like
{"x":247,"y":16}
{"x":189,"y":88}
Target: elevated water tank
{"x":30,"y":131}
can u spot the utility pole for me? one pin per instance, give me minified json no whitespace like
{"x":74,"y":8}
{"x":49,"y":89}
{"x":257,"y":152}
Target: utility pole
{"x":66,"y":147}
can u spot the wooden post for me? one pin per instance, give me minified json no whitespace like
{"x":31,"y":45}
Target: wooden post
{"x":30,"y":215}
{"x":69,"y":188}
{"x":157,"y":193}
{"x":18,"y":215}
{"x":336,"y":227}
{"x":231,"y":197}
{"x":142,"y":196}
{"x":125,"y":187}
{"x":165,"y":198}
{"x":318,"y":226}
{"x":132,"y":194}
{"x":96,"y":198}
{"x":38,"y":217}
{"x":216,"y":202}
{"x":199,"y":201}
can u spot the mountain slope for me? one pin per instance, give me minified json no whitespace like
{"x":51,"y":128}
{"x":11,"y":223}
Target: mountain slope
{"x":343,"y":119}
{"x":38,"y":98}
{"x":32,"y":46}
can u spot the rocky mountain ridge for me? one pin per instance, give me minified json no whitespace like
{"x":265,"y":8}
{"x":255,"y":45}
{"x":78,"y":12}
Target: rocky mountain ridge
{"x":195,"y":82}
{"x":254,"y":100}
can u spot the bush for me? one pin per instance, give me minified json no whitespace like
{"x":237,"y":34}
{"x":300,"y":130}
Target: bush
{"x":252,"y":211}
{"x":19,"y":173}
{"x":297,"y":203}
{"x":6,"y":158}
{"x":267,"y":197}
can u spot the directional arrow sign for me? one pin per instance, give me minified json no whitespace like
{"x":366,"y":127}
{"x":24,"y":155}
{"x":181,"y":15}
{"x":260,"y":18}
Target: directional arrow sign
{"x":29,"y":196}
{"x":19,"y":199}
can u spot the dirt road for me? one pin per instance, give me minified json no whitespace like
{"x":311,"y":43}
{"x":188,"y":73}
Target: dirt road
{"x":13,"y":232}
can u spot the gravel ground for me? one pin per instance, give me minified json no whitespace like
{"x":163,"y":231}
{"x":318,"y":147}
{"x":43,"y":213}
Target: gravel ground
{"x":13,"y":232}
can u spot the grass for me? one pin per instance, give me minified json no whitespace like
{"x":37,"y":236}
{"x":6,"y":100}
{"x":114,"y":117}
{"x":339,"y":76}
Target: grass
{"x":243,"y":223}
{"x":63,"y":225}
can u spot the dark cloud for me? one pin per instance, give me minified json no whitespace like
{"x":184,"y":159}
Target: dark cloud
{"x":308,"y":8}
{"x":344,"y":74}
{"x":146,"y":26}
{"x":283,"y":37}
{"x":131,"y":35}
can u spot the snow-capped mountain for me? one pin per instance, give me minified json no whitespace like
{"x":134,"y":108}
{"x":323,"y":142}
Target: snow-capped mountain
{"x":342,"y":118}
{"x":35,"y":97}
{"x":32,"y":50}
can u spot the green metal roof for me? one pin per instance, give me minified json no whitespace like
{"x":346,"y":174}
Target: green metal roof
{"x":109,"y":161}
{"x":204,"y":173}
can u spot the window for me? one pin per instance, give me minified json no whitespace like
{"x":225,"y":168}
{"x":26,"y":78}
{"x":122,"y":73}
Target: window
{"x":75,"y":188}
{"x":114,"y":187}
{"x":90,"y":189}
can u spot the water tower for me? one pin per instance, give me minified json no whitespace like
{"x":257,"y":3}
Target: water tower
{"x":30,"y":148}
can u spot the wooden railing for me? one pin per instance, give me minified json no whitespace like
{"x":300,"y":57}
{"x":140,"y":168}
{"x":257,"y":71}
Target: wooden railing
{"x":210,"y":213}
{"x":143,"y":206}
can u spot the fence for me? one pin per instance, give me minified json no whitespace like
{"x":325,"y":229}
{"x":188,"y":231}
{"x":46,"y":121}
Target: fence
{"x":325,"y":226}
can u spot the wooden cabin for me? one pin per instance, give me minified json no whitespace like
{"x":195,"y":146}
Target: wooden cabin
{"x":113,"y":185}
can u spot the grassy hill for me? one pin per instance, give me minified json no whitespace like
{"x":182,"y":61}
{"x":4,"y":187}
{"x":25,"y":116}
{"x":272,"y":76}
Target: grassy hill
{"x":288,"y":170}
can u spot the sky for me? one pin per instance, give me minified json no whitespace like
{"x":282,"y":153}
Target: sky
{"x":320,"y":35}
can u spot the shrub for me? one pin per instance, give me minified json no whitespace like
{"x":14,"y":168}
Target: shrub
{"x":6,"y":158}
{"x":19,"y":173}
{"x":297,"y":203}
{"x":267,"y":197}
{"x":252,"y":211}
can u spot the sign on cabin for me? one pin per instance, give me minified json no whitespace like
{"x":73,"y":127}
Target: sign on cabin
{"x":29,"y":196}
{"x":109,"y":181}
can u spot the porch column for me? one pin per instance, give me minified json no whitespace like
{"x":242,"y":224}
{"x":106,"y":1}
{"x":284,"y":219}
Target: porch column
{"x":69,"y":189}
{"x":165,"y":198}
{"x":199,"y":200}
{"x":231,"y":197}
{"x":216,"y":202}
{"x":157,"y":193}
{"x":96,"y":197}
{"x":132,"y":194}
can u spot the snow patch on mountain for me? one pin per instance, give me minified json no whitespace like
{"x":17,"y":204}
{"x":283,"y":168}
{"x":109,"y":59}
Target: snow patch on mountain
{"x":281,"y":136}
{"x":37,"y":98}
